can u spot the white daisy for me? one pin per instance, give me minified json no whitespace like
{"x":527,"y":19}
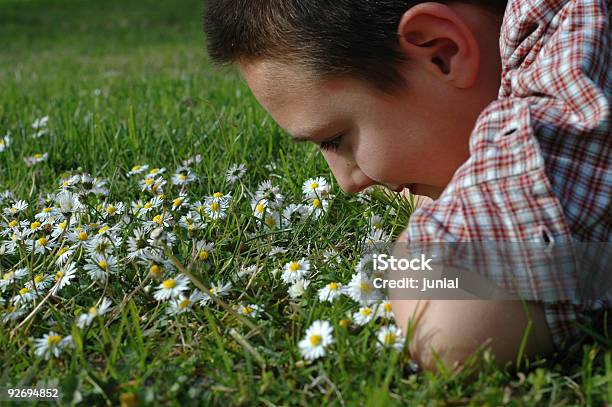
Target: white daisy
{"x":259,"y":208}
{"x":315,"y":188}
{"x":24,"y":296}
{"x":35,"y":159}
{"x":390,"y":337}
{"x":63,"y":277}
{"x":219,"y":290}
{"x":17,"y":207}
{"x":51,"y":344}
{"x":317,"y":207}
{"x":68,"y":202}
{"x":183,"y":176}
{"x":295,"y":270}
{"x":85,"y":320}
{"x":361,"y":289}
{"x":234,"y":173}
{"x":99,"y":266}
{"x":183,"y":304}
{"x":294,"y":214}
{"x":192,"y":222}
{"x":318,"y":338}
{"x":270,"y":193}
{"x":203,"y":250}
{"x":137,"y":169}
{"x":11,"y":277}
{"x":216,"y":206}
{"x":298,"y":288}
{"x":364,"y":315}
{"x":251,"y":310}
{"x":5,"y":142}
{"x":172,"y":288}
{"x":330,"y":292}
{"x":385,"y":310}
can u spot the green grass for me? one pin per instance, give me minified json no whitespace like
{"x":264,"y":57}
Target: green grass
{"x":126,"y":83}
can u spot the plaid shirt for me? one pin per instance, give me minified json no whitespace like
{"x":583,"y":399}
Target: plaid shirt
{"x":540,"y":165}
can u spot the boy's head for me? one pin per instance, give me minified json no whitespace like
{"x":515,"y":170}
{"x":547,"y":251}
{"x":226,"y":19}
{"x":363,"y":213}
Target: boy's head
{"x":389,"y":89}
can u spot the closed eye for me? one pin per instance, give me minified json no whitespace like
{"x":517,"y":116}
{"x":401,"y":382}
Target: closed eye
{"x":332,"y":144}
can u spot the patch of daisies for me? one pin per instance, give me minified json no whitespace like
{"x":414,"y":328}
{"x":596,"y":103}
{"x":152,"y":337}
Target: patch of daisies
{"x":78,"y":239}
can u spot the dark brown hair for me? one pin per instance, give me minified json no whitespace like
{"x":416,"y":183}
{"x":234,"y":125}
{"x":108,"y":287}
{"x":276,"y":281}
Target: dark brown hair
{"x":328,"y":37}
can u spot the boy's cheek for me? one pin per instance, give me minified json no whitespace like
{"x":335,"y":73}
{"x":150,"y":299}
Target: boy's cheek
{"x":403,"y":237}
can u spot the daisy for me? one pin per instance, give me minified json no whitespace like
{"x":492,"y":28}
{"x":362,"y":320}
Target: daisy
{"x":361,"y":289}
{"x":41,"y":282}
{"x":246,"y":271}
{"x":251,"y":310}
{"x":40,"y":122}
{"x":216,"y":207}
{"x":5,"y":142}
{"x":47,"y":213}
{"x":63,"y":277}
{"x":51,"y":344}
{"x":318,"y":337}
{"x":144,"y":208}
{"x":35,"y":159}
{"x":11,"y":277}
{"x":85,"y":320}
{"x":271,"y":193}
{"x":41,"y":245}
{"x":317,"y":207}
{"x":234,"y":173}
{"x":298,"y":288}
{"x":171,"y":288}
{"x":192,"y":160}
{"x":102,"y":245}
{"x":154,"y":172}
{"x":315,"y":188}
{"x":17,"y":207}
{"x":330,"y":292}
{"x":163,"y":219}
{"x":137,"y":169}
{"x":99,"y":266}
{"x":192,"y":222}
{"x":183,"y":304}
{"x":24,"y":295}
{"x":259,"y":208}
{"x":293,"y":214}
{"x":68,"y":202}
{"x":385,"y":311}
{"x":179,"y":202}
{"x":151,"y":184}
{"x":276,"y":250}
{"x":113,"y":209}
{"x":330,"y":255}
{"x":364,"y":315}
{"x":272,"y":220}
{"x":295,"y":270}
{"x":63,"y":254}
{"x":374,"y":237}
{"x":390,"y":337}
{"x":218,"y":290}
{"x":375,"y":222}
{"x":183,"y":176}
{"x":12,"y":313}
{"x":203,"y":250}
{"x":137,"y":245}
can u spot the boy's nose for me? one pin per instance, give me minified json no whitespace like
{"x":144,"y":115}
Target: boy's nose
{"x":353,"y":181}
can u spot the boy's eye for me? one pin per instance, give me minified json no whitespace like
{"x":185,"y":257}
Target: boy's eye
{"x":332,"y":144}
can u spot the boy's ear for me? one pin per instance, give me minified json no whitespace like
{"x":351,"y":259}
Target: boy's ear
{"x":434,"y":35}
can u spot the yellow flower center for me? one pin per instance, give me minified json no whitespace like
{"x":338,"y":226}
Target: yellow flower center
{"x":390,"y":338}
{"x":46,"y":210}
{"x":366,"y":287}
{"x":260,"y":208}
{"x":177,"y":202}
{"x":82,"y":236}
{"x":53,"y":340}
{"x":38,"y":156}
{"x":344,"y":323}
{"x":203,"y":255}
{"x":59,"y":275}
{"x":136,"y":168}
{"x":154,"y":171}
{"x":62,"y":226}
{"x":183,"y":177}
{"x":315,"y":340}
{"x":149,"y":181}
{"x":387,"y":307}
{"x":201,"y":209}
{"x":24,"y":291}
{"x":217,"y":194}
{"x":42,"y":241}
{"x":93,"y":311}
{"x":103,"y":229}
{"x":247,"y":310}
{"x":294,"y":266}
{"x":110,"y":209}
{"x":158,"y":219}
{"x":103,"y":264}
{"x":148,"y":205}
{"x":13,"y":223}
{"x":270,"y":221}
{"x":155,"y":270}
{"x":214,"y":206}
{"x":185,"y":303}
{"x":38,"y":279}
{"x":316,"y":203}
{"x":62,"y":251}
{"x":366,"y":312}
{"x":169,"y":284}
{"x":314,"y":185}
{"x":35,"y":225}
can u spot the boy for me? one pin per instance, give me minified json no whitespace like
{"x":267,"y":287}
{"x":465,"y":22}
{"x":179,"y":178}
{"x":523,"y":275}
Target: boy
{"x":512,"y":147}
